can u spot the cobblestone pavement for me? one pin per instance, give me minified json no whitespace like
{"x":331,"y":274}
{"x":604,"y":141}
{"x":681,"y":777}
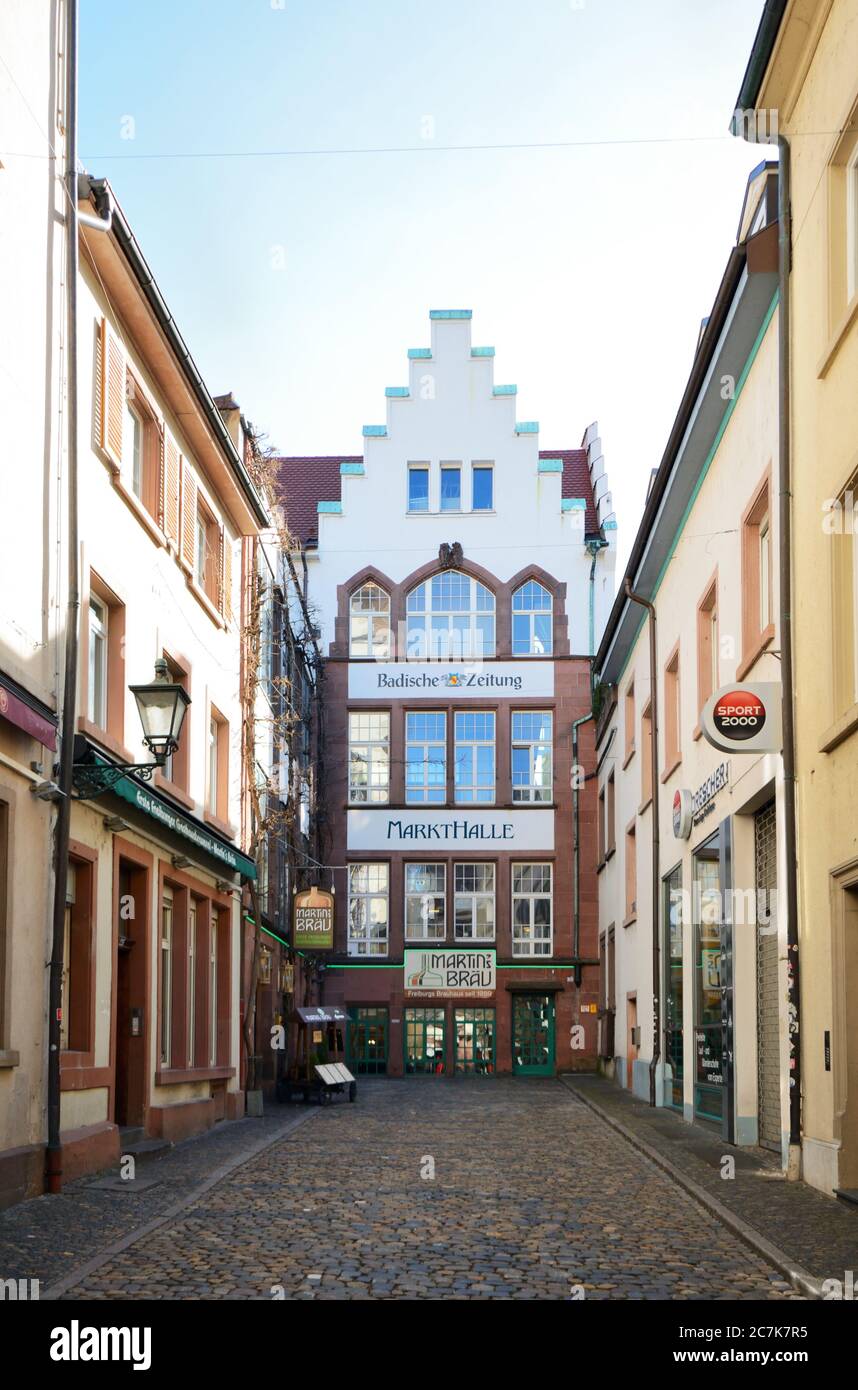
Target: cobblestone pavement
{"x":815,"y":1231}
{"x":532,"y":1195}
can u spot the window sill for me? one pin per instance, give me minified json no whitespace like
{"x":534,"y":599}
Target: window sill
{"x":137,"y":507}
{"x":669,"y":771}
{"x":645,"y":805}
{"x":174,"y":1076}
{"x":10,"y":1059}
{"x":696,"y":733}
{"x":600,"y":866}
{"x":222,"y":826}
{"x":630,"y":753}
{"x":840,"y":730}
{"x":755,"y":651}
{"x":164,"y":784}
{"x":850,"y":314}
{"x":105,"y":740}
{"x":629,"y":921}
{"x":204,"y":601}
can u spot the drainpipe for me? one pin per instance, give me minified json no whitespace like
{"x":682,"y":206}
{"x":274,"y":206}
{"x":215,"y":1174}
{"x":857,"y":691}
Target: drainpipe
{"x":785,"y":595}
{"x":576,"y":873}
{"x":656,"y":855}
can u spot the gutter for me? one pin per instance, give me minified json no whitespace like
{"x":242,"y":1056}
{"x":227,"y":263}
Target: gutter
{"x":761,"y":54}
{"x":107,"y":207}
{"x":656,"y":841}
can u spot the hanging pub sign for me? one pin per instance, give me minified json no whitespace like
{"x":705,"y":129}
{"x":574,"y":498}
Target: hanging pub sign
{"x":744,"y":718}
{"x":313,"y":920}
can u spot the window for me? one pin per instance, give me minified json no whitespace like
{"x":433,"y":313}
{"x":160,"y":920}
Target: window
{"x":192,"y":981}
{"x":426,"y":758}
{"x":707,"y":645}
{"x":97,"y":701}
{"x":532,"y":620}
{"x":852,"y":227}
{"x":166,"y":974}
{"x":672,"y":735}
{"x":600,"y":829}
{"x":532,"y":733}
{"x":629,"y":706}
{"x":176,"y":766}
{"x":207,"y":554}
{"x":842,"y":537}
{"x":474,"y":773}
{"x":450,"y":617}
{"x":631,"y":873}
{"x":370,"y":622}
{"x":418,"y":487}
{"x":483,"y":487}
{"x":132,"y":450}
{"x":369,"y":756}
{"x":757,"y":550}
{"x":217,"y":783}
{"x":451,"y":487}
{"x":213,"y":993}
{"x":369,"y":888}
{"x":474,"y":902}
{"x":425,"y":902}
{"x":646,"y":755}
{"x":531,"y":909}
{"x":610,"y":828}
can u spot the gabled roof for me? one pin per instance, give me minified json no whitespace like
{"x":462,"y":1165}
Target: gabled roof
{"x":310,"y":479}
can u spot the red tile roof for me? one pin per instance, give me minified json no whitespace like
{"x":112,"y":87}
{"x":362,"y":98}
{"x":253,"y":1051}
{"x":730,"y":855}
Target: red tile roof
{"x":307,"y":481}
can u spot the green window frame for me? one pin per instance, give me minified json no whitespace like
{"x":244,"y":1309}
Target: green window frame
{"x":425,"y":1042}
{"x":368,"y":1040}
{"x":474,"y":1032}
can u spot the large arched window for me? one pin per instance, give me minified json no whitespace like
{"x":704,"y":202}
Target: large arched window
{"x":532,"y":620}
{"x":369,"y":622}
{"x":451,"y":617}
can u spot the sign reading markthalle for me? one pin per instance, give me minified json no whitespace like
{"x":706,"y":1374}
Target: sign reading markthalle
{"x":313,"y":918}
{"x":426,"y":680}
{"x":531,"y":830}
{"x":744,"y":718}
{"x":450,"y":972}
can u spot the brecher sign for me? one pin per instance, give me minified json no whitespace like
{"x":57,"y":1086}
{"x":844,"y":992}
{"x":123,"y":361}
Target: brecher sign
{"x":742,"y":718}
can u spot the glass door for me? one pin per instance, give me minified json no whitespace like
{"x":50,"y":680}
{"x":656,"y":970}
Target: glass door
{"x":674,"y":1035}
{"x":475,"y":1041}
{"x":533,"y":1034}
{"x":425,"y":1042}
{"x":708,"y":1049}
{"x":367,"y":1040}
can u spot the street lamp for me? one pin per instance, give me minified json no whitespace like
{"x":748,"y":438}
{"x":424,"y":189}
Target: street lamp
{"x":162,"y":706}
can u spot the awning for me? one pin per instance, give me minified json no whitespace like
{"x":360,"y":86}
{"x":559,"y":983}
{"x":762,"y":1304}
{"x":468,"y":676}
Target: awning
{"x":27,"y":713}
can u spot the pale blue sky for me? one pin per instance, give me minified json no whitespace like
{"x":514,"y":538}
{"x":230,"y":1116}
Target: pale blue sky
{"x":300,"y":281}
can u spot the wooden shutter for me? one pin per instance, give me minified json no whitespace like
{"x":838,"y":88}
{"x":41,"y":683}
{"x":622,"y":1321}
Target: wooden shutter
{"x":112,"y":393}
{"x":189,"y":515}
{"x":170,"y":521}
{"x":227,"y":577}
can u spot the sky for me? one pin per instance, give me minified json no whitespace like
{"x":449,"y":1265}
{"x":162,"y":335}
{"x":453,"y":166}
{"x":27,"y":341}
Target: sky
{"x":299,"y":277}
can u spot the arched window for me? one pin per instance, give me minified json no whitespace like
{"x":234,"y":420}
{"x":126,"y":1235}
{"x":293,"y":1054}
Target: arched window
{"x":451,"y":617}
{"x":532,"y":620}
{"x":369,"y":617}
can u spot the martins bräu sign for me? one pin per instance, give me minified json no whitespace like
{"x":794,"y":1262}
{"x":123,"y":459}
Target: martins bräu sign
{"x":313,"y":920}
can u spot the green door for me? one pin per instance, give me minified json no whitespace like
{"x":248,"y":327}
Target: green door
{"x":425,"y":1042}
{"x":366,"y":1041}
{"x":475,"y":1041}
{"x":533,"y":1035}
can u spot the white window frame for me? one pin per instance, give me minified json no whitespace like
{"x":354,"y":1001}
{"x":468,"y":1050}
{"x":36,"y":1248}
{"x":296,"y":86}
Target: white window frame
{"x":525,"y":945}
{"x":373,"y":751}
{"x":133,"y":449}
{"x":426,"y":622}
{"x":166,"y":968}
{"x":472,"y":897}
{"x":434,"y":751}
{"x":211,"y":798}
{"x":427,"y":900}
{"x":377,"y":617}
{"x":469,"y":793}
{"x":450,"y":467}
{"x":367,"y":945}
{"x":418,"y":467}
{"x":99,"y":623}
{"x":531,"y":613}
{"x":537,"y":793}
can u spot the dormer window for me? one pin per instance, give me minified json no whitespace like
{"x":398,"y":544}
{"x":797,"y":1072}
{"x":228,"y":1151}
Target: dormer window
{"x":532,"y":620}
{"x":451,"y":617}
{"x":369,"y":615}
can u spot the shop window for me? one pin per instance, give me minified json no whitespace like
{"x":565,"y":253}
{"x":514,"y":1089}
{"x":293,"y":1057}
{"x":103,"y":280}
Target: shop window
{"x":474,"y":767}
{"x":532,"y":738}
{"x":425,"y":1041}
{"x":369,"y":894}
{"x":369,"y":756}
{"x":532,"y":620}
{"x":425,"y":902}
{"x":475,"y":1041}
{"x":369,"y":618}
{"x":708,"y":1020}
{"x":426,"y":758}
{"x":532,"y":909}
{"x":674,"y":986}
{"x":474,"y":902}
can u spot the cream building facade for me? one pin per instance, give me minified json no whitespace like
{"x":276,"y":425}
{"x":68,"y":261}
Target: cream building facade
{"x":693,"y":931}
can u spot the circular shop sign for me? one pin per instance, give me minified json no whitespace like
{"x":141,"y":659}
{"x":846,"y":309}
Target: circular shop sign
{"x":739,"y":715}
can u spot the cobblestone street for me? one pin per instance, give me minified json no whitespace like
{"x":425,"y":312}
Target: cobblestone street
{"x":532,"y":1195}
